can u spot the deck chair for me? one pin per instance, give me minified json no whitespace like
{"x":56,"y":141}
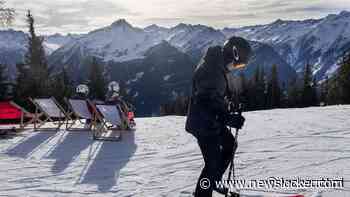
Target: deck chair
{"x":48,"y":110}
{"x":107,"y":122}
{"x":9,"y":110}
{"x":78,"y":110}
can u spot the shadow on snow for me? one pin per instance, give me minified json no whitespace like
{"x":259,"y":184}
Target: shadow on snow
{"x":67,"y":150}
{"x":104,"y":171}
{"x":28,"y":145}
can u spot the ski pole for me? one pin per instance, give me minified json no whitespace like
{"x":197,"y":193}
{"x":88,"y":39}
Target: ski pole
{"x":232,"y":168}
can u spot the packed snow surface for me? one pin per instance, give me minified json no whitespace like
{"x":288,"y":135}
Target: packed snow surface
{"x":161,"y":159}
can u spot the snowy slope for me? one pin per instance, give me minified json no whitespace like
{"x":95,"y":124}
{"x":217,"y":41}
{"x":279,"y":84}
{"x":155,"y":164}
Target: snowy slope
{"x":190,"y":38}
{"x":326,"y":43}
{"x":13,"y":47}
{"x":54,"y":42}
{"x":11,"y":40}
{"x":161,"y":159}
{"x":275,"y":33}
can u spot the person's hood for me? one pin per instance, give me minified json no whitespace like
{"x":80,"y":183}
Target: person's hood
{"x":214,"y":58}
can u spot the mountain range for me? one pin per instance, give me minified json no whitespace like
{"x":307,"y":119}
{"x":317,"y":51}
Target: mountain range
{"x":318,"y":42}
{"x":145,"y":58}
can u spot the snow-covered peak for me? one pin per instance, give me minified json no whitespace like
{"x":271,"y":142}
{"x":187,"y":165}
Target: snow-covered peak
{"x":194,"y":37}
{"x":279,"y":31}
{"x":121,"y":41}
{"x":345,"y":13}
{"x":121,"y":23}
{"x":120,"y":26}
{"x":118,"y":42}
{"x":278,"y":22}
{"x":56,"y":35}
{"x":155,"y":28}
{"x":181,"y":26}
{"x":189,"y":27}
{"x":55,"y":41}
{"x":297,"y":42}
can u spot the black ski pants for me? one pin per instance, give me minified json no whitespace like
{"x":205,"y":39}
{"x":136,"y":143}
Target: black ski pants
{"x":217,"y":153}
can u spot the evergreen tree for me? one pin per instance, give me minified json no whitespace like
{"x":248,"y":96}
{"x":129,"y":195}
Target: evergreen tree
{"x":256,"y":89}
{"x":293,"y":94}
{"x":264,"y":87}
{"x":314,"y":95}
{"x":62,"y":85}
{"x":253,"y":90}
{"x":334,"y":92}
{"x":260,"y":90}
{"x":162,"y":110}
{"x":344,"y":78}
{"x":33,"y":76}
{"x":124,"y":93}
{"x":274,"y":90}
{"x":244,"y":91}
{"x":97,"y":83}
{"x":307,"y":95}
{"x":36,"y":58}
{"x":324,"y":91}
{"x":177,"y":107}
{"x":257,"y":75}
{"x":284,"y":96}
{"x":24,"y":82}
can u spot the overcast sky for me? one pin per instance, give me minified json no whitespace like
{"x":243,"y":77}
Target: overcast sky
{"x":79,"y":16}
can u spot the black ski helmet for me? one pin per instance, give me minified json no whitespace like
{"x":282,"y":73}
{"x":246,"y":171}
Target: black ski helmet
{"x":82,"y":90}
{"x":236,"y":51}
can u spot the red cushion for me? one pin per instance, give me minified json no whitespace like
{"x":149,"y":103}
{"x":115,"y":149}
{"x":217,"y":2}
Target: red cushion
{"x":9,"y":112}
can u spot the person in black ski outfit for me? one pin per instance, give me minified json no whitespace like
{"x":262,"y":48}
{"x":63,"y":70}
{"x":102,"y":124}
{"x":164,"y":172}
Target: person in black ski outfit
{"x":208,"y":114}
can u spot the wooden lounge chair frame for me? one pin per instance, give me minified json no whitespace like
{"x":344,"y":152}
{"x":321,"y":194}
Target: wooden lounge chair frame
{"x":102,"y":126}
{"x":43,"y":117}
{"x":25,"y":114}
{"x":74,"y":117}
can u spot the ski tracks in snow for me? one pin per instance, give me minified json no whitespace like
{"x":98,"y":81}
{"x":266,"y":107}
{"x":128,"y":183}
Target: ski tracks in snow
{"x":161,"y":159}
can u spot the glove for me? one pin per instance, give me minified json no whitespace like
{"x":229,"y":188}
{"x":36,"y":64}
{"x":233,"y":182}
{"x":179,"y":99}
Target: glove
{"x":235,"y":121}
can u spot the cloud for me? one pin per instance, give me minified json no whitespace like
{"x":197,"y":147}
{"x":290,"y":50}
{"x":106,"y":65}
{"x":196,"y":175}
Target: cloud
{"x":216,"y":17}
{"x":157,"y":20}
{"x":268,"y":5}
{"x":86,"y":15}
{"x":79,"y":15}
{"x":311,"y":9}
{"x":286,"y":8}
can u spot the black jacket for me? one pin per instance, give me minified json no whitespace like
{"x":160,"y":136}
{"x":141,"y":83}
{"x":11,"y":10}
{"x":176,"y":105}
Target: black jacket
{"x":208,"y":108}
